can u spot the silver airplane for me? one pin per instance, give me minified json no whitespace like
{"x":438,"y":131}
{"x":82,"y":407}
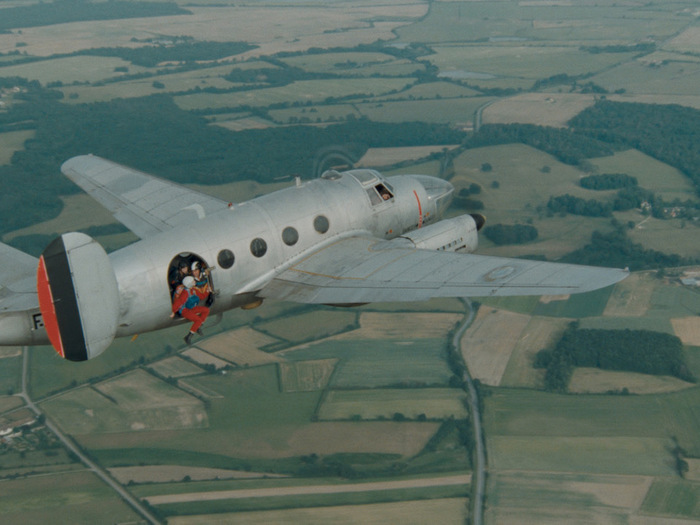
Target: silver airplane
{"x":342,"y":239}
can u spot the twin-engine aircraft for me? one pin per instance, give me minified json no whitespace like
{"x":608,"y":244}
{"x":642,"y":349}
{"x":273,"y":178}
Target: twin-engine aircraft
{"x":342,"y":239}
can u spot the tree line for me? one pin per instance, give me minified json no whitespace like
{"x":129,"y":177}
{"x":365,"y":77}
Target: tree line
{"x":616,"y":250}
{"x":510,"y":233}
{"x":640,"y":351}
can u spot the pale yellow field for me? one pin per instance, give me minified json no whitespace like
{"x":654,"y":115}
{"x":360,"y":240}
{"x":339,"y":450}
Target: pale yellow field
{"x":608,"y":499}
{"x":175,"y":366}
{"x":241,"y":124}
{"x":543,"y":109}
{"x":541,"y":332}
{"x":596,"y":381}
{"x":631,"y":297}
{"x":168,"y":473}
{"x":133,"y":401}
{"x":306,"y":376}
{"x":387,"y":156}
{"x":285,"y":28}
{"x":687,"y":41}
{"x":204,"y":358}
{"x":489,"y":342}
{"x":688,"y":329}
{"x":693,"y":469}
{"x":10,"y":351}
{"x":451,"y":510}
{"x":241,"y":347}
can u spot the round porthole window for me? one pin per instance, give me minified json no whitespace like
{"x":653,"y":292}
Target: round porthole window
{"x":290,"y":236}
{"x":321,"y":224}
{"x":258,"y":247}
{"x":225,"y":259}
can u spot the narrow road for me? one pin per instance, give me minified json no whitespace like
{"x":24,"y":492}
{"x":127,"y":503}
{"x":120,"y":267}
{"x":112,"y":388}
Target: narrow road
{"x":479,"y":477}
{"x":70,"y":445}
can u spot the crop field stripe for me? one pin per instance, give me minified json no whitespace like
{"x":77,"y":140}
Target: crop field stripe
{"x":463,"y":479}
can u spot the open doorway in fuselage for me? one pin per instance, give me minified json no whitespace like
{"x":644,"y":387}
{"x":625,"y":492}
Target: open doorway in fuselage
{"x":184,"y":264}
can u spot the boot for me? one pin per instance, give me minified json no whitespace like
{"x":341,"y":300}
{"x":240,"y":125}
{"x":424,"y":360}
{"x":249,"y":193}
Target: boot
{"x":188,"y":337}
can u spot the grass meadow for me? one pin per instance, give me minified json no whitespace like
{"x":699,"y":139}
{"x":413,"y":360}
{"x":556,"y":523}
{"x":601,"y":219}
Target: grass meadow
{"x":673,"y":498}
{"x":374,"y":363}
{"x":68,"y":497}
{"x":433,"y":403}
{"x":513,"y":414}
{"x":514,"y":21}
{"x":302,"y":91}
{"x":12,"y":141}
{"x":10,"y":374}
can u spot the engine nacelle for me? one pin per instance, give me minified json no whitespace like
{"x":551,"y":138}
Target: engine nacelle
{"x":449,"y":235}
{"x":78,"y":296}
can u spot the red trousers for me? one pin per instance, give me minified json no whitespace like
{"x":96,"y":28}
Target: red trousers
{"x":197,"y":315}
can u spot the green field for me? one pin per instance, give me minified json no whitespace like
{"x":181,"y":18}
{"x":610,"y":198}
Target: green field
{"x":175,"y":367}
{"x":521,"y":414}
{"x":309,"y":326}
{"x":354,"y":64}
{"x":522,"y":62}
{"x":673,"y":498}
{"x":453,"y":111}
{"x":433,"y":403}
{"x":514,"y":21}
{"x":71,"y":69}
{"x":674,"y":78}
{"x":301,"y":92}
{"x":371,"y":363}
{"x":10,"y":375}
{"x":66,"y":498}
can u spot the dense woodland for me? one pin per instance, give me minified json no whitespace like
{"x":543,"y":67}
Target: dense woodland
{"x":567,"y":146}
{"x":152,"y":55}
{"x":60,"y":12}
{"x":669,"y":133}
{"x":641,"y":351}
{"x":608,"y":181}
{"x":156,"y":136}
{"x":510,"y":233}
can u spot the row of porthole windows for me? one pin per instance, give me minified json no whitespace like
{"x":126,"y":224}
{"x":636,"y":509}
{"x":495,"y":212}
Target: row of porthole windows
{"x":258,"y":246}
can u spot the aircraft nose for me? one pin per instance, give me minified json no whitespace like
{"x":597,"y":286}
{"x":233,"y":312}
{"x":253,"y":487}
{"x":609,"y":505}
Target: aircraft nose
{"x":439,"y":191}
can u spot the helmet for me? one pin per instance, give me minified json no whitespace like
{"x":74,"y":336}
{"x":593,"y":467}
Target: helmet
{"x":195,"y":266}
{"x":189,"y":281}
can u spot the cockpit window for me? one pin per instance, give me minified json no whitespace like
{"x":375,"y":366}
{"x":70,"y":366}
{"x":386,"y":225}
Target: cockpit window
{"x":380,"y":193}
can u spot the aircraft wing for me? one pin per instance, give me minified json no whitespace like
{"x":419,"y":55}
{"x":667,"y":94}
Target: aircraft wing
{"x":143,"y":203}
{"x":363,"y":270}
{"x":17,"y":280}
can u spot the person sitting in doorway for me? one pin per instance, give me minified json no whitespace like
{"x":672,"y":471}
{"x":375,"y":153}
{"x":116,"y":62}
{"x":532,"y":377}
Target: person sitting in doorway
{"x":186,"y":304}
{"x":202,"y":287}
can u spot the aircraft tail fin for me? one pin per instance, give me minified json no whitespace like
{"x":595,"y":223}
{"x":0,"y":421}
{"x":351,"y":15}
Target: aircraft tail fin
{"x":78,"y":296}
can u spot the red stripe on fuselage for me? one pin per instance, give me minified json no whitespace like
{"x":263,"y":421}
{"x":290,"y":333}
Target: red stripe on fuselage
{"x":48,"y":311}
{"x":420,"y":210}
